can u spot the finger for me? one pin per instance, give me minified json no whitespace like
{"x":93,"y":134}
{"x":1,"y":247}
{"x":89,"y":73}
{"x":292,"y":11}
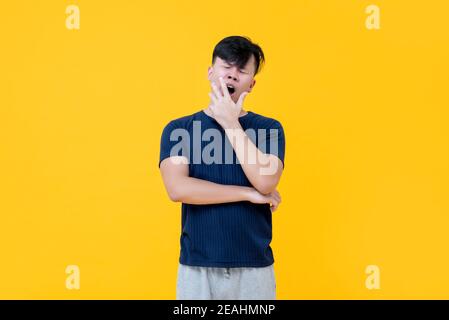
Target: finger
{"x":224,"y":88}
{"x":275,"y":195}
{"x":278,"y":194}
{"x":276,"y":205}
{"x":278,"y":198}
{"x":213,"y":98}
{"x":274,"y":202}
{"x":216,"y":91}
{"x":242,"y":98}
{"x":212,"y":109}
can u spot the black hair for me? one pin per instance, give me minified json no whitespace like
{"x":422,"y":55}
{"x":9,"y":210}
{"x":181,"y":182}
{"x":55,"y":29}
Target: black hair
{"x":237,"y":50}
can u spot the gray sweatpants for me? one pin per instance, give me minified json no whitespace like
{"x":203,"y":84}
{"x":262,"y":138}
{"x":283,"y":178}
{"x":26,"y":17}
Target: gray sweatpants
{"x":209,"y":283}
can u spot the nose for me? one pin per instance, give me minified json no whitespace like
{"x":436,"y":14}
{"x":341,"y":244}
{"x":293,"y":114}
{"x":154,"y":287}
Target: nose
{"x":233,"y":75}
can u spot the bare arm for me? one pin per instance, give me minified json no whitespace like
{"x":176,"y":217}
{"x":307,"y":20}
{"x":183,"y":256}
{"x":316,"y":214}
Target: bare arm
{"x":265,"y":171}
{"x":262,"y":170}
{"x":182,"y":188}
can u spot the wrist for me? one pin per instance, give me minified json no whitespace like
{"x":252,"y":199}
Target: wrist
{"x":246,"y":193}
{"x":231,"y":125}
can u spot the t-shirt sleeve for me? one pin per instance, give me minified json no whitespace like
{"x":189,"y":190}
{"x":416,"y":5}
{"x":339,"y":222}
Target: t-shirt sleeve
{"x":174,"y":141}
{"x":275,"y":141}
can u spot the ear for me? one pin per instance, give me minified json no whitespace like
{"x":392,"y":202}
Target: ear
{"x":253,"y":83}
{"x":209,"y":72}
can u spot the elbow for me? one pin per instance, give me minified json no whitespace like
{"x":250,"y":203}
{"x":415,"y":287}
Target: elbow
{"x":174,"y":195}
{"x":266,"y":184}
{"x":265,"y":191}
{"x":265,"y":187}
{"x":174,"y":198}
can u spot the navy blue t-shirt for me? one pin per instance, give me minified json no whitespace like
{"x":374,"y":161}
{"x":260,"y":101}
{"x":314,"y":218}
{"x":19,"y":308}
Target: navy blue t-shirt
{"x":234,"y":234}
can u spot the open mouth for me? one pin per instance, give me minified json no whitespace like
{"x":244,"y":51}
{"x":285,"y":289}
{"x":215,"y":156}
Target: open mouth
{"x":231,"y":88}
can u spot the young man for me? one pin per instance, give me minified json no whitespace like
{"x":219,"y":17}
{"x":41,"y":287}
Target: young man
{"x":224,"y":163}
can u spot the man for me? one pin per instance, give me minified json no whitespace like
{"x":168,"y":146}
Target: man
{"x":224,"y":163}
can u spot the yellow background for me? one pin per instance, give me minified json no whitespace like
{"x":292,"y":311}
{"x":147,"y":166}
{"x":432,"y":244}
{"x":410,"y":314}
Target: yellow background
{"x":365,"y":113}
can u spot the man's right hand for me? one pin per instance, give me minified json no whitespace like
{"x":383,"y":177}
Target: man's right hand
{"x":273,"y":198}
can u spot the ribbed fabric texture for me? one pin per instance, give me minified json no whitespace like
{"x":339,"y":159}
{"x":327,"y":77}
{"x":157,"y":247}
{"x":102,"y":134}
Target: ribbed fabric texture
{"x":236,"y":234}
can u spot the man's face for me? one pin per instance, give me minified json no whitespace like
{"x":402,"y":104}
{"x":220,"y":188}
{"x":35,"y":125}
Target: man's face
{"x":240,"y":79}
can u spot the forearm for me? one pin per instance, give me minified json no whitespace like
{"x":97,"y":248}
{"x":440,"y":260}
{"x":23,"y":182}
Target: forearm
{"x":261,"y":169}
{"x":197,"y":191}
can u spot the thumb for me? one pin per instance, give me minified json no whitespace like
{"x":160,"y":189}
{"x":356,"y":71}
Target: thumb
{"x":242,"y":97}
